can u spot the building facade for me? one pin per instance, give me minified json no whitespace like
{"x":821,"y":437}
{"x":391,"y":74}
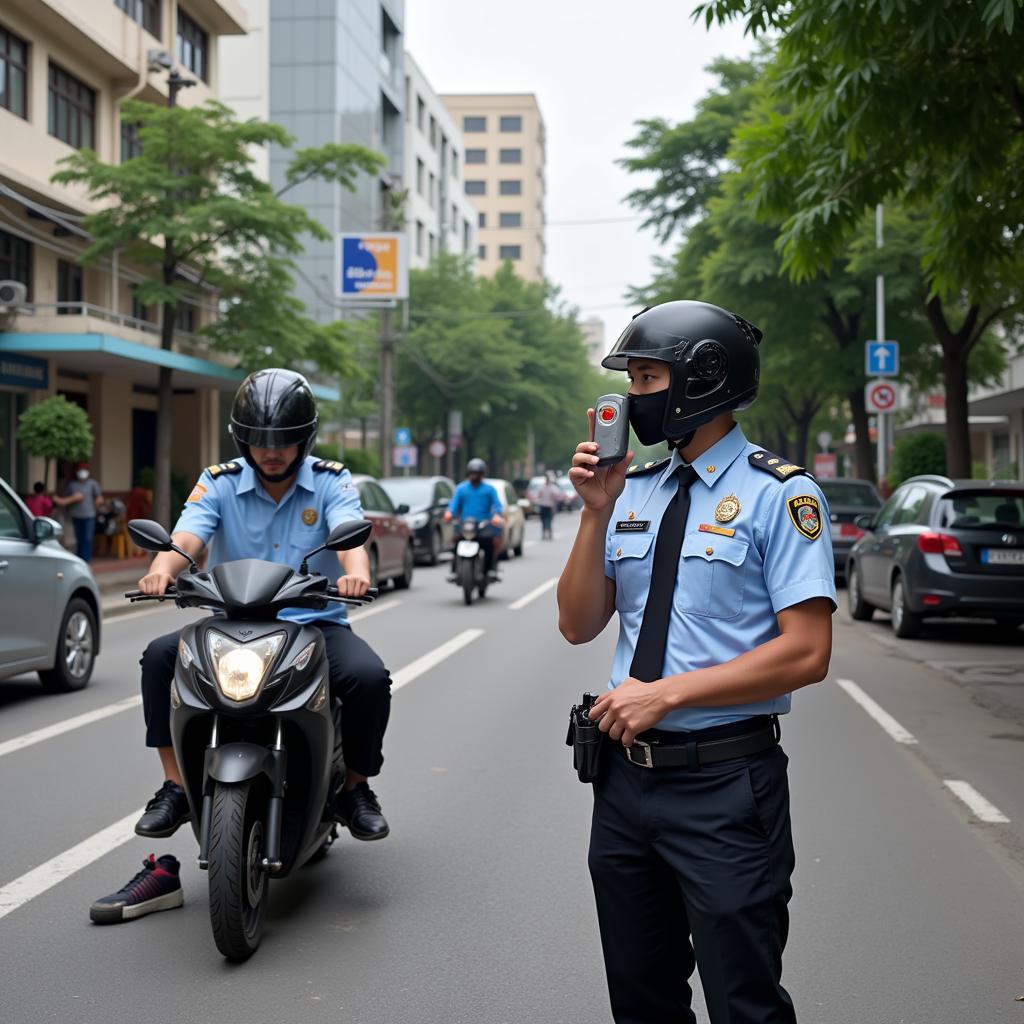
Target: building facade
{"x":438,"y":215}
{"x":504,"y":177}
{"x":78,"y":331}
{"x":593,"y":338}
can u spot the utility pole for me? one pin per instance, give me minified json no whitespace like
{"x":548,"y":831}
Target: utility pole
{"x":387,"y":391}
{"x":881,"y":417}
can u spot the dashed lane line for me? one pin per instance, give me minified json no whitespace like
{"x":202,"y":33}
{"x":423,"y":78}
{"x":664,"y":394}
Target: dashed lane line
{"x":533,"y":594}
{"x":981,"y":807}
{"x":877,"y":712}
{"x":431,"y":659}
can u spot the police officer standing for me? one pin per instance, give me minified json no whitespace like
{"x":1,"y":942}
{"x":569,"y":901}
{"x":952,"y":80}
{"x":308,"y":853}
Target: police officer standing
{"x":718,"y":561}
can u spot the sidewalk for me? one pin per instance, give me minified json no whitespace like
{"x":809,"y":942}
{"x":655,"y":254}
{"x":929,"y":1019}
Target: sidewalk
{"x":114,"y":576}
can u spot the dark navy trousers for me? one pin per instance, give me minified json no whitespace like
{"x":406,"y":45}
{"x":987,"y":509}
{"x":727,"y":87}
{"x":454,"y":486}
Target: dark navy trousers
{"x":692,"y":868}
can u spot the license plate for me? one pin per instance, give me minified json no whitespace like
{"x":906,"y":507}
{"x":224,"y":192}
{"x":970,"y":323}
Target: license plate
{"x":1000,"y":556}
{"x":467,"y":549}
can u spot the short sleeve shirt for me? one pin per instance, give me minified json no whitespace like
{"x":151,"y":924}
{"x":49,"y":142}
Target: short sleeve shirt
{"x":230,"y":511}
{"x":754,"y":545}
{"x":90,"y":491}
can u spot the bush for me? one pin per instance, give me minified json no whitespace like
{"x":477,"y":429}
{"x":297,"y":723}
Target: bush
{"x":361,"y":460}
{"x":915,"y":456}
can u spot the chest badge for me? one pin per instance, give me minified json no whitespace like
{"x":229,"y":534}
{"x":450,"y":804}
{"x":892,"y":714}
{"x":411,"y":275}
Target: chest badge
{"x":805,"y":514}
{"x":309,"y":516}
{"x":728,"y":509}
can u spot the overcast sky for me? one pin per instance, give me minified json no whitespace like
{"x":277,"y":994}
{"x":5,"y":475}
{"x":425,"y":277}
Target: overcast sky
{"x":596,"y":66}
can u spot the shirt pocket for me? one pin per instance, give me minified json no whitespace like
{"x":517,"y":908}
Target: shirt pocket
{"x":630,"y":554}
{"x":712,"y":576}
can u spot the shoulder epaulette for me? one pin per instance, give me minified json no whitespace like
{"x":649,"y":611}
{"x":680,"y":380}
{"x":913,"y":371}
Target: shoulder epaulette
{"x":778,"y":467}
{"x":328,"y":466}
{"x":224,"y":467}
{"x":647,"y":467}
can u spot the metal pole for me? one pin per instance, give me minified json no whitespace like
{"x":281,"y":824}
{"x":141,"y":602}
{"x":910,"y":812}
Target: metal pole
{"x":387,"y":391}
{"x":880,"y":336}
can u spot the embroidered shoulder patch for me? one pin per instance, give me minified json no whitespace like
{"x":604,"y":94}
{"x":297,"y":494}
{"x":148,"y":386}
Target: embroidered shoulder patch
{"x":805,"y":514}
{"x":224,"y":467}
{"x":647,"y":467}
{"x":778,"y":467}
{"x":328,"y":466}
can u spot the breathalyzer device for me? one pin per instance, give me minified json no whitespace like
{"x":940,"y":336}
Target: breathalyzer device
{"x":611,"y":428}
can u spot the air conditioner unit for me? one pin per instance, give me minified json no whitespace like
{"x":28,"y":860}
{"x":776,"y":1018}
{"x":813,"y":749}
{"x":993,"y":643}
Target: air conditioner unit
{"x":12,"y":293}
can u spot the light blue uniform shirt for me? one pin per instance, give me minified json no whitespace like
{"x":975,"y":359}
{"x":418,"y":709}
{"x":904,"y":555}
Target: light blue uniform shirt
{"x":730,"y":588}
{"x":232,"y":513}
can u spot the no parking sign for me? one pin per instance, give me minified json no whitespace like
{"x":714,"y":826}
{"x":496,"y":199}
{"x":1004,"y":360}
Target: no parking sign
{"x":881,"y":396}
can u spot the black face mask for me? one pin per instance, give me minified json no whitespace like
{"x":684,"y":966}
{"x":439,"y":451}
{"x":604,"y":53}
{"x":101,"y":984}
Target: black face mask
{"x":647,"y":416}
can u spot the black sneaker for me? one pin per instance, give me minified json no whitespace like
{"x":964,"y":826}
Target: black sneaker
{"x":156,"y":887}
{"x":165,"y":813}
{"x":359,"y":810}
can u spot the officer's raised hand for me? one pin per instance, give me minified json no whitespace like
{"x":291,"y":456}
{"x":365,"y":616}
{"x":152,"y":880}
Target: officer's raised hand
{"x":599,"y":487}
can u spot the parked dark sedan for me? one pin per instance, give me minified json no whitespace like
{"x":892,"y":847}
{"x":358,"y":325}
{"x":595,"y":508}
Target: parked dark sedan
{"x":427,"y":498}
{"x":847,"y":499}
{"x":941,"y":547}
{"x":390,"y":547}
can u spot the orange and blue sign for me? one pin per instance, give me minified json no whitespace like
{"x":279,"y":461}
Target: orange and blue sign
{"x":373,"y":265}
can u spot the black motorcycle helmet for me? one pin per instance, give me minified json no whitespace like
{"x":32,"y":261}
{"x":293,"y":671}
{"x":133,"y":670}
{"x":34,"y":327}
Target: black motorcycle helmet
{"x":274,"y":409}
{"x":712,"y":353}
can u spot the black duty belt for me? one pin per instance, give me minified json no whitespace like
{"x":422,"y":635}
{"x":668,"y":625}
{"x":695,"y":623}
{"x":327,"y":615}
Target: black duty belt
{"x":696,"y":751}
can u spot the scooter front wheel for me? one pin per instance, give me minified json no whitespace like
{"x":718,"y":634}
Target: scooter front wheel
{"x":238,"y":881}
{"x":466,"y":580}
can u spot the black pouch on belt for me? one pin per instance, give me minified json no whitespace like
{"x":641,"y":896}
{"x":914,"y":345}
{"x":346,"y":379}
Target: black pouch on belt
{"x":586,"y":740}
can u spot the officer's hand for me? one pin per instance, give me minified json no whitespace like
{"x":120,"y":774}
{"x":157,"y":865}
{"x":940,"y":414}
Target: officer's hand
{"x":598,"y":487}
{"x":629,"y":710}
{"x":156,"y":583}
{"x":353,"y":585}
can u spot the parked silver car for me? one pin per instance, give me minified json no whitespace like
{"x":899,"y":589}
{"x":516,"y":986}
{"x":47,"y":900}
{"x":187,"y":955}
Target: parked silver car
{"x":51,"y":605}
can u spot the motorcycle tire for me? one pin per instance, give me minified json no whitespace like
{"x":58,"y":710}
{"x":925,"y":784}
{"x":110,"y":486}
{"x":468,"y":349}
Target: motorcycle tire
{"x":238,"y":882}
{"x":466,"y":580}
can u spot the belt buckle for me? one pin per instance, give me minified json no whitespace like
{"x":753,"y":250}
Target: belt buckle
{"x":645,"y":748}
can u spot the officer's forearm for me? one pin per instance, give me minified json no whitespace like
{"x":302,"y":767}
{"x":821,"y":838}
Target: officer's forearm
{"x":586,"y":597}
{"x":355,"y":562}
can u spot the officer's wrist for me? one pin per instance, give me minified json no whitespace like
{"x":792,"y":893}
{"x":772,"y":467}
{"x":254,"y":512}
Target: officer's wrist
{"x":602,"y":516}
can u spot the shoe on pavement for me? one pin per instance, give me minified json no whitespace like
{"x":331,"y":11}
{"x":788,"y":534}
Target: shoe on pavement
{"x":359,"y":810}
{"x":165,"y":813}
{"x":493,"y":577}
{"x":156,"y":887}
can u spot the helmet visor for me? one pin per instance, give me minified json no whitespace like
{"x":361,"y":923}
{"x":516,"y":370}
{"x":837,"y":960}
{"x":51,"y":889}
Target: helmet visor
{"x":638,"y":344}
{"x":272,"y":437}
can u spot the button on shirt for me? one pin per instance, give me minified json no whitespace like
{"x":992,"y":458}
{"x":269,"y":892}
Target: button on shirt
{"x":234,"y":515}
{"x":729,"y":589}
{"x":479,"y":503}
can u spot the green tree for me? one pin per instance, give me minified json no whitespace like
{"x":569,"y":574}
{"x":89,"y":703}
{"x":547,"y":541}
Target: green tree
{"x":55,"y":429}
{"x":916,"y":455}
{"x":192,"y":208}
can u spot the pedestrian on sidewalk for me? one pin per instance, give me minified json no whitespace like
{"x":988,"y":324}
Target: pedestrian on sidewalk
{"x":547,"y":499}
{"x":84,"y":494}
{"x":40,"y":503}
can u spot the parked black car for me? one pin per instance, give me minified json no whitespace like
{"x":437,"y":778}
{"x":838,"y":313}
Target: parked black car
{"x":941,"y":547}
{"x":427,"y":498}
{"x":847,"y":499}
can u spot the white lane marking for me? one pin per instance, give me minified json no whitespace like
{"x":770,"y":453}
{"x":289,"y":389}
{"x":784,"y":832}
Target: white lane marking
{"x":374,"y":610}
{"x":48,"y":732}
{"x":533,"y":595}
{"x":975,"y":801}
{"x":877,"y":712}
{"x":415,"y":669}
{"x":35,"y":882}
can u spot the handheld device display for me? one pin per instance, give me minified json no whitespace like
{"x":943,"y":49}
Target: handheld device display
{"x":611,"y":428}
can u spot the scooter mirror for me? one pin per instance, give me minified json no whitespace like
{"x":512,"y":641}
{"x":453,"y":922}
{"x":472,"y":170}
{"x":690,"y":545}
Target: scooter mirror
{"x":346,"y":536}
{"x":149,"y":535}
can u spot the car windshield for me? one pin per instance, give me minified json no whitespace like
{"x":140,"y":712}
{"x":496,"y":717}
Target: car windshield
{"x":850,"y":493}
{"x":982,"y":510}
{"x":412,"y":491}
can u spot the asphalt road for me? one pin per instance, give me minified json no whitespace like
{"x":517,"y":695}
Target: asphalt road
{"x":477,"y":909}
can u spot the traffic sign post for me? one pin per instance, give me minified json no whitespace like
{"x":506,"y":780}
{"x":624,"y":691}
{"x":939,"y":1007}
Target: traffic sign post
{"x":882,"y":358}
{"x":403,"y":456}
{"x":881,"y":396}
{"x":403,"y":436}
{"x":438,"y":448}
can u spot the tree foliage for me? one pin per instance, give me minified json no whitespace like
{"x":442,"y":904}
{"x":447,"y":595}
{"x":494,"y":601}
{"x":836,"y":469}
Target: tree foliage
{"x":916,"y":455}
{"x":55,"y":429}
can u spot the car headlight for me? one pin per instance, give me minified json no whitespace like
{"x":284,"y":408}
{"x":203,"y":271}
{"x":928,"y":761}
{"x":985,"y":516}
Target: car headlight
{"x":239,"y":669}
{"x":418,"y":521}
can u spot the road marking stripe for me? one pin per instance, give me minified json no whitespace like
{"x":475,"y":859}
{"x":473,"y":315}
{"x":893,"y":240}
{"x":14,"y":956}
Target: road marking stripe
{"x":406,"y":675}
{"x":877,"y":712}
{"x":48,"y":732}
{"x":35,"y":882}
{"x":533,"y":594}
{"x":375,"y":609}
{"x":975,"y":801}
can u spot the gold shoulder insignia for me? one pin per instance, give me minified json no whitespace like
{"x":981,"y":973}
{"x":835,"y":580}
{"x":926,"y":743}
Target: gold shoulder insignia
{"x":649,"y":467}
{"x":224,"y":467}
{"x":328,"y":466}
{"x":778,"y":467}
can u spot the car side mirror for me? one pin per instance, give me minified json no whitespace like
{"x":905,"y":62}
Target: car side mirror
{"x":149,"y":535}
{"x":402,"y":509}
{"x":45,"y":528}
{"x":865,"y":521}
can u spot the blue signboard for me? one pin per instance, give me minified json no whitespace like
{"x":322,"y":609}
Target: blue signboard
{"x":24,"y":371}
{"x":881,"y":358}
{"x":403,"y":436}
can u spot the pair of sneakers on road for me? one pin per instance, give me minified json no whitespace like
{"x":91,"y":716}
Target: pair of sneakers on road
{"x":158,"y":885}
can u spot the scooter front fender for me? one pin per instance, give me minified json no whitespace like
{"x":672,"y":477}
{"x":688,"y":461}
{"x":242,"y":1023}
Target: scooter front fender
{"x":239,"y":762}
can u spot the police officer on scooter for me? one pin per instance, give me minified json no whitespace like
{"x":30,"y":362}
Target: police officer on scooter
{"x":718,"y":561}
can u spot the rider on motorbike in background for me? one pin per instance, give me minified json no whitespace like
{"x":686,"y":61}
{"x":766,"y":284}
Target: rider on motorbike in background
{"x":476,"y":499}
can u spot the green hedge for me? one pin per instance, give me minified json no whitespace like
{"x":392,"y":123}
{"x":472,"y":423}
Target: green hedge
{"x":917,"y":455}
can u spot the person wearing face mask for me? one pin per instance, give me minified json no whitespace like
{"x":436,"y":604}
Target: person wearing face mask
{"x":718,"y":561}
{"x":83,"y":496}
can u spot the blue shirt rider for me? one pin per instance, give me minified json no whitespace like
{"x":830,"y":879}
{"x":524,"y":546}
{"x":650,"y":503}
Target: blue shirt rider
{"x":476,"y":499}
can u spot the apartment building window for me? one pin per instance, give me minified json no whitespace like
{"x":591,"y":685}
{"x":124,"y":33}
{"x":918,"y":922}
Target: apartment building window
{"x":420,"y":175}
{"x":16,"y":260}
{"x":474,"y":124}
{"x":481,"y":219}
{"x":140,"y":311}
{"x":421,"y":110}
{"x":510,"y":252}
{"x":509,"y":187}
{"x":143,"y":12}
{"x":432,"y":194}
{"x":466,"y":236}
{"x":511,"y":123}
{"x":510,"y":156}
{"x":70,"y":287}
{"x":131,"y":146}
{"x":475,"y":187}
{"x":510,"y":220}
{"x":432,"y":244}
{"x":419,"y":238}
{"x":433,"y":132}
{"x":13,"y":73}
{"x":476,"y":156}
{"x":72,"y":115}
{"x":193,"y":46}
{"x":185,"y":317}
{"x":455,"y":217}
{"x":455,"y":163}
{"x":481,"y":252}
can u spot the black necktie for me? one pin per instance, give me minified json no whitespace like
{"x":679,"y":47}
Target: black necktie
{"x":649,"y":655}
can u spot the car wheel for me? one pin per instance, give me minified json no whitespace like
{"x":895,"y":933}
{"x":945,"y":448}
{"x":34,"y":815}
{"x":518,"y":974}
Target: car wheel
{"x":76,"y":650}
{"x":436,"y":544}
{"x":374,"y":563}
{"x":858,"y":607}
{"x":906,"y":624}
{"x":404,"y":581}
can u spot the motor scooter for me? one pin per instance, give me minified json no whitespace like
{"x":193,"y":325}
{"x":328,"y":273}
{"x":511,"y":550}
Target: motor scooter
{"x":256,"y":735}
{"x":468,"y":570}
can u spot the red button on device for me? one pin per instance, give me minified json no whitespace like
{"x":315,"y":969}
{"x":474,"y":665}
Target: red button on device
{"x":607,"y":413}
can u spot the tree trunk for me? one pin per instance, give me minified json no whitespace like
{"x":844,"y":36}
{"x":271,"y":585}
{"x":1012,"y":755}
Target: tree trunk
{"x":958,"y":431}
{"x":862,"y":436}
{"x":803,"y":429}
{"x":362,"y":432}
{"x":781,"y":441}
{"x":164,"y":422}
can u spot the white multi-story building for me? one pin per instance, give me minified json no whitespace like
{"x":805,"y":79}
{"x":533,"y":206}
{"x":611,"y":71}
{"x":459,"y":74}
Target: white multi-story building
{"x":438,"y":216}
{"x":593,"y":338}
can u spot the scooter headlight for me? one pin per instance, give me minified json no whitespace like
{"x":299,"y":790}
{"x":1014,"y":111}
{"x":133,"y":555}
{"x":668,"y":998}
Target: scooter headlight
{"x":240,"y":668}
